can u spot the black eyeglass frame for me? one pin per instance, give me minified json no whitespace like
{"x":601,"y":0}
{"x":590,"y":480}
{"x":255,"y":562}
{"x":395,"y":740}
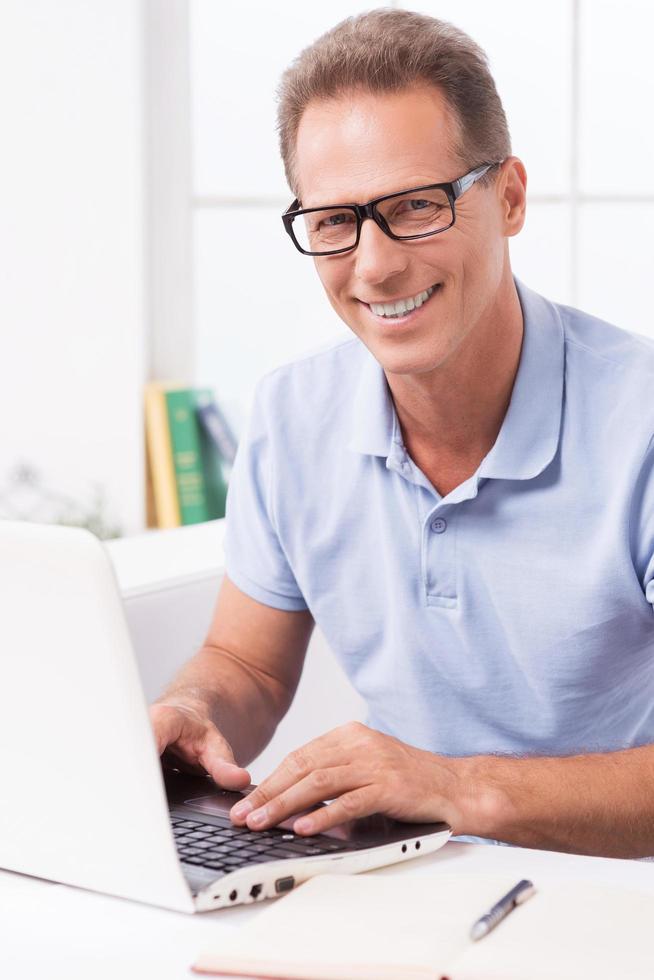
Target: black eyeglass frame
{"x":454,"y":189}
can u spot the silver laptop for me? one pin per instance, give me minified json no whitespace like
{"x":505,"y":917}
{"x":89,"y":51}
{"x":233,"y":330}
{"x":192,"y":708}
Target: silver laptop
{"x":84,"y":799}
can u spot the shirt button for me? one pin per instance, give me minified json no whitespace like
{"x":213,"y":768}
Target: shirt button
{"x":439,"y":525}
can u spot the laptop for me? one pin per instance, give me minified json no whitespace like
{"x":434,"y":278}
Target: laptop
{"x":84,"y":799}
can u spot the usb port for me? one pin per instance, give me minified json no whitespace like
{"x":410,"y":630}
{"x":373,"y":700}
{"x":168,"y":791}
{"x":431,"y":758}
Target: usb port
{"x":284,"y":884}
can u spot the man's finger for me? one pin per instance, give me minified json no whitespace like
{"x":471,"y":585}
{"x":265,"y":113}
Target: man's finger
{"x":323,"y":752}
{"x":167,"y":725}
{"x":217,"y":758}
{"x":361,"y":802}
{"x":322,"y":784}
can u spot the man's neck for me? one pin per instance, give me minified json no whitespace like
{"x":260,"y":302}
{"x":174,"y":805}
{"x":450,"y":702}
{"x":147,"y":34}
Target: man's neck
{"x":450,"y":418}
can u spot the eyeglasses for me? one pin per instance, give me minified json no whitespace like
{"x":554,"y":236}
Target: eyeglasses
{"x":403,"y":216}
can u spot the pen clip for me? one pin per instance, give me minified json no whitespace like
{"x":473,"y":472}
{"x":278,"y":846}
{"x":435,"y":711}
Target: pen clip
{"x":525,"y":893}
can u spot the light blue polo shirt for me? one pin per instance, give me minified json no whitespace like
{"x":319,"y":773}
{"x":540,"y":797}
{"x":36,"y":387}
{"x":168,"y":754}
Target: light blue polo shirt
{"x":513,"y":615}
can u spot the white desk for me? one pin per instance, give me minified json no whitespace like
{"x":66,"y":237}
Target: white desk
{"x":58,"y":933}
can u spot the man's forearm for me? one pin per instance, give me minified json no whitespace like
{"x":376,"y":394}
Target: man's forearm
{"x":245,"y":708}
{"x":600,"y":804}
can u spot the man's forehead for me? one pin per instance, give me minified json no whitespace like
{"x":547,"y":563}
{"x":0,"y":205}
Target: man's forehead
{"x":361,"y":145}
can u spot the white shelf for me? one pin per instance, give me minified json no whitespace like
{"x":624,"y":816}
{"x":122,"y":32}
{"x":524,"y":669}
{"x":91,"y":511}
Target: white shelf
{"x":158,"y":559}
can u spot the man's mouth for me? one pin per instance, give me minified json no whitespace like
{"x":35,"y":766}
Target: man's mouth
{"x":400,"y":307}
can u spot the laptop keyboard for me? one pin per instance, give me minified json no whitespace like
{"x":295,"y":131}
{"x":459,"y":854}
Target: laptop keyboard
{"x":225,"y":848}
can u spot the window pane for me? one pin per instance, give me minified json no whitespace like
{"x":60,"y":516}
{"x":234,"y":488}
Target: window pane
{"x":617,"y":91}
{"x":616,"y":258}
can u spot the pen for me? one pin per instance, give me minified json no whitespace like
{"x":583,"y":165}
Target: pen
{"x":518,"y":894}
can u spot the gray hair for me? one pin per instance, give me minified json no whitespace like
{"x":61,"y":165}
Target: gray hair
{"x":389,"y":50}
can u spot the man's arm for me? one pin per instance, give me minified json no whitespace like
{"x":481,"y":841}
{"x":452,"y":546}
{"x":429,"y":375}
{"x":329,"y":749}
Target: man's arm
{"x":587,"y":804}
{"x":241,"y":681}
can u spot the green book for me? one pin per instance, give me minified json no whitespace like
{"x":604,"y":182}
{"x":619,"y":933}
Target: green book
{"x":201,"y":485}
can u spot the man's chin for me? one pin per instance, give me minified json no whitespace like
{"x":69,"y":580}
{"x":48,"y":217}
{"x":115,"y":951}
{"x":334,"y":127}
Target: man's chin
{"x":406,"y":362}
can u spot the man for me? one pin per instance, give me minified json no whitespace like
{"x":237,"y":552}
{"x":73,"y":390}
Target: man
{"x":461,"y":495}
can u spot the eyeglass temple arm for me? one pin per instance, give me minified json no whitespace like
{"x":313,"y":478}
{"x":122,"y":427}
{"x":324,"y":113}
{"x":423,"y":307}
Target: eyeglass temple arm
{"x":463,"y":183}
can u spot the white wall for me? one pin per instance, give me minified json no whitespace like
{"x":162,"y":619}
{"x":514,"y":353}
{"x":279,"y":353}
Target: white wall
{"x":72,"y":248}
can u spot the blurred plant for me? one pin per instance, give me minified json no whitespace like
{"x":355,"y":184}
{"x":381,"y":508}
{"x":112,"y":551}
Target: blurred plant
{"x":26,"y":498}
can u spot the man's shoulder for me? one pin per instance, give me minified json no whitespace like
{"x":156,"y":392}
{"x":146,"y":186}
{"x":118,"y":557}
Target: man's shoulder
{"x":328,"y":374}
{"x":609,"y":376}
{"x":599,"y":342}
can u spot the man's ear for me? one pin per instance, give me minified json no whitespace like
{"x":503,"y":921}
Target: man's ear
{"x":511,"y":184}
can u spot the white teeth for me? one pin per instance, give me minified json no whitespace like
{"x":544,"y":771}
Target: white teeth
{"x":402,"y":306}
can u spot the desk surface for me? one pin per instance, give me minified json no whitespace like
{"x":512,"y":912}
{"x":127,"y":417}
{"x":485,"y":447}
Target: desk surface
{"x":55,"y":932}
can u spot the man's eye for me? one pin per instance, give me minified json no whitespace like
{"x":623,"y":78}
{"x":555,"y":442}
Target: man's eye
{"x":418,"y":203}
{"x":332,"y":220}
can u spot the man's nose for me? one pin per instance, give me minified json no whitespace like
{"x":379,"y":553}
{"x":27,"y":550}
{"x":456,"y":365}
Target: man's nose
{"x":378,"y":257}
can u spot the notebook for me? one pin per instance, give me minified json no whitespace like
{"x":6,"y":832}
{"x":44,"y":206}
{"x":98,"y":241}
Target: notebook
{"x":376,"y":927}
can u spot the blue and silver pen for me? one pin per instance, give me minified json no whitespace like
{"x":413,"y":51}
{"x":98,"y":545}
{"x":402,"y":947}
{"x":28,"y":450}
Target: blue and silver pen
{"x":518,"y":894}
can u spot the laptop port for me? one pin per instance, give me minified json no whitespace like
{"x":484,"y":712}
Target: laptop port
{"x":255,"y":891}
{"x":284,"y":884}
{"x":233,"y":895}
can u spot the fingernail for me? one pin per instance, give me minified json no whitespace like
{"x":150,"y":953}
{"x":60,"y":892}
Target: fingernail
{"x":302,"y":825}
{"x":258,"y":818}
{"x":241,"y":809}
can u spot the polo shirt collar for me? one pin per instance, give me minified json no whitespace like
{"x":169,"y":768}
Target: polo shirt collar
{"x":529,"y":436}
{"x":374,"y":420}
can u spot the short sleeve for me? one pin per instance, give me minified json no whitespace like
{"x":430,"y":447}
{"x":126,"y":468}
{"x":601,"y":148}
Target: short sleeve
{"x":643,"y":524}
{"x":255,"y":560}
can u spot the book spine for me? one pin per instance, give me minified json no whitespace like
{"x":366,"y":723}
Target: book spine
{"x":215,"y":466}
{"x":159,"y":454}
{"x":217,"y":427}
{"x":187,"y":457}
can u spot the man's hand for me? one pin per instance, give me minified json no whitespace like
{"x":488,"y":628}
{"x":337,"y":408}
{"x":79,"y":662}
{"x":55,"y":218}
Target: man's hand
{"x":586,"y":804}
{"x":363,"y":772}
{"x":184,"y":730}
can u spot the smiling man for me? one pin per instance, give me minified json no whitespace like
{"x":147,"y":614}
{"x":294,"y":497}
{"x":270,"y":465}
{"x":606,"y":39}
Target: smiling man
{"x":461,"y":495}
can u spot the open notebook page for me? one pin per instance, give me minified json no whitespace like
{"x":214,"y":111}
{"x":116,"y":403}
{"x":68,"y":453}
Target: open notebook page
{"x":357,"y":927}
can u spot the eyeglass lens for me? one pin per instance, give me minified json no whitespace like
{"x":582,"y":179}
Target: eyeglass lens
{"x":328,"y":229}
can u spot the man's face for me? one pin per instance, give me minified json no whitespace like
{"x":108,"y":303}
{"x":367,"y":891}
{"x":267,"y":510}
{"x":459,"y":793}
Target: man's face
{"x":359,"y":147}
